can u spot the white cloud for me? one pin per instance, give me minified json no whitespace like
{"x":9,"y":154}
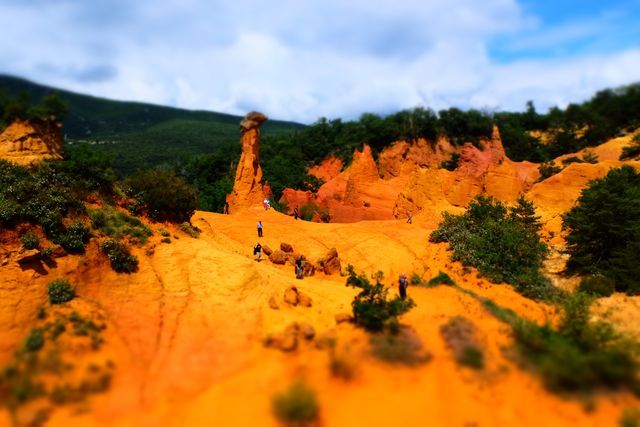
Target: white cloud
{"x":297,"y":60}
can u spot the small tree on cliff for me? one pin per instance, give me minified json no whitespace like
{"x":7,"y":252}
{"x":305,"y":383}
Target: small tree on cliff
{"x":501,"y":242}
{"x":371,"y":308}
{"x":604,"y":229}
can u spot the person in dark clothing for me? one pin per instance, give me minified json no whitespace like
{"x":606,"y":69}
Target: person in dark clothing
{"x":296,"y":213}
{"x":299,"y":268}
{"x":257,"y":251}
{"x":410,"y":218}
{"x":259,"y":228}
{"x":225,"y":209}
{"x":402,"y":285}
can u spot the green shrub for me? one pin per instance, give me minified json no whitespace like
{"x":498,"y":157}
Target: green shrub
{"x":547,"y":170}
{"x":416,"y":279}
{"x":75,"y":237}
{"x":118,"y":225}
{"x":631,"y":151}
{"x":297,"y":405}
{"x":308,"y":210}
{"x":630,"y":418}
{"x":572,"y":159}
{"x":452,"y":163}
{"x":190,"y":230}
{"x":502,"y":243}
{"x":34,"y":341}
{"x":403,"y":347}
{"x":165,"y":240}
{"x":590,"y":157}
{"x":46,"y":253}
{"x":460,"y":335}
{"x":165,"y":196}
{"x":579,"y":355}
{"x":30,"y":241}
{"x":60,"y":291}
{"x":441,"y":279}
{"x":472,"y":357}
{"x":120,"y":257}
{"x":597,"y":285}
{"x":604,"y":229}
{"x":371,"y":308}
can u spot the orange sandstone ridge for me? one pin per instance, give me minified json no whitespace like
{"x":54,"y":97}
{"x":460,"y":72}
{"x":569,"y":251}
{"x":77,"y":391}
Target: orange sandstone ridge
{"x":28,"y":142}
{"x":407,"y":178}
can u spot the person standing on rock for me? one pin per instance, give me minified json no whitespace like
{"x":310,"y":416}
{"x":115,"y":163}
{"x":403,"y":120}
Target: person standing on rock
{"x":296,"y":213}
{"x":402,"y":285}
{"x":225,"y":210}
{"x":257,"y":251}
{"x":266,"y":204}
{"x":259,"y":228}
{"x":410,"y":218}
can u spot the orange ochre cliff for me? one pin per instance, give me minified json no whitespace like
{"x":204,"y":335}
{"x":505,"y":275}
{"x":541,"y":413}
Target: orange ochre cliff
{"x":203,"y":334}
{"x":28,"y":142}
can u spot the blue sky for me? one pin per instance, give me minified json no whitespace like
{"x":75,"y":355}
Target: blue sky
{"x":299,"y":60}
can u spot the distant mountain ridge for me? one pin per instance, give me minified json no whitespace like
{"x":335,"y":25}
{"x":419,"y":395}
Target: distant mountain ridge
{"x":161,"y":134}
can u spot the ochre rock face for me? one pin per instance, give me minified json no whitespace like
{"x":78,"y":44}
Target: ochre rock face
{"x":247,"y":188}
{"x":328,"y":169}
{"x":407,"y":178}
{"x":28,"y":142}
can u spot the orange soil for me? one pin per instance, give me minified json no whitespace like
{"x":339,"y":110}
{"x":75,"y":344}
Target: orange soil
{"x":186,"y":332}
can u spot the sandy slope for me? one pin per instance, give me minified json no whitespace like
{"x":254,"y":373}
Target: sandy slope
{"x":186,"y":333}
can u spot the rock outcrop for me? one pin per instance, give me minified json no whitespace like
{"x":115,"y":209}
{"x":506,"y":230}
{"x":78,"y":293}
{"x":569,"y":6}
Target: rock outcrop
{"x":28,"y":142}
{"x":247,"y":187}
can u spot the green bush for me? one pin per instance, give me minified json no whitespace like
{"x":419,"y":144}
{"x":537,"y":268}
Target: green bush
{"x":452,"y":163}
{"x":297,"y":405}
{"x":120,"y":257}
{"x":502,"y":243}
{"x":60,"y":291}
{"x":472,"y":357}
{"x":460,"y":335}
{"x":403,"y":347}
{"x":30,"y":241}
{"x":572,"y":159}
{"x":190,"y":230}
{"x":579,"y":355}
{"x":371,"y":308}
{"x":547,"y":170}
{"x":590,"y":157}
{"x":117,"y":224}
{"x":34,"y":341}
{"x":165,"y":196}
{"x":165,"y":240}
{"x":597,"y":285}
{"x":75,"y":237}
{"x":441,"y":279}
{"x":631,"y":151}
{"x":604,"y":229}
{"x":416,"y":279}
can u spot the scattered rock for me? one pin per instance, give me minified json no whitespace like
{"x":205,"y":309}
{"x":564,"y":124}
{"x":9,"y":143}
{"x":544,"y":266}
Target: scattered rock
{"x":343,"y":318}
{"x":26,"y":255}
{"x":273,"y":303}
{"x":278,"y":257}
{"x":58,"y":251}
{"x":304,"y":300}
{"x":307,"y":331}
{"x":308,"y":269}
{"x":285,"y":247}
{"x":266,"y":250}
{"x":291,"y":296}
{"x":330,"y":264}
{"x":289,"y":339}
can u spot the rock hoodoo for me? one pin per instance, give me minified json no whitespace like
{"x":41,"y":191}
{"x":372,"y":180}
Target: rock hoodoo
{"x":28,"y":142}
{"x":247,"y":188}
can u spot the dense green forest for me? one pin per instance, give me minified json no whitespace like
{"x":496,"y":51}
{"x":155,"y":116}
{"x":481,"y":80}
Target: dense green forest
{"x":162,"y":135}
{"x":203,"y":148}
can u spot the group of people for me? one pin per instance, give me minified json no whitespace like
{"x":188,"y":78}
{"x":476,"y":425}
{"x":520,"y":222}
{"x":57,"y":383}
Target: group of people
{"x":403,"y":282}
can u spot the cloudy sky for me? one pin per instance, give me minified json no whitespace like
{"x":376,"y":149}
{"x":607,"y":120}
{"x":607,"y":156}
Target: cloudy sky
{"x":302,"y":59}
